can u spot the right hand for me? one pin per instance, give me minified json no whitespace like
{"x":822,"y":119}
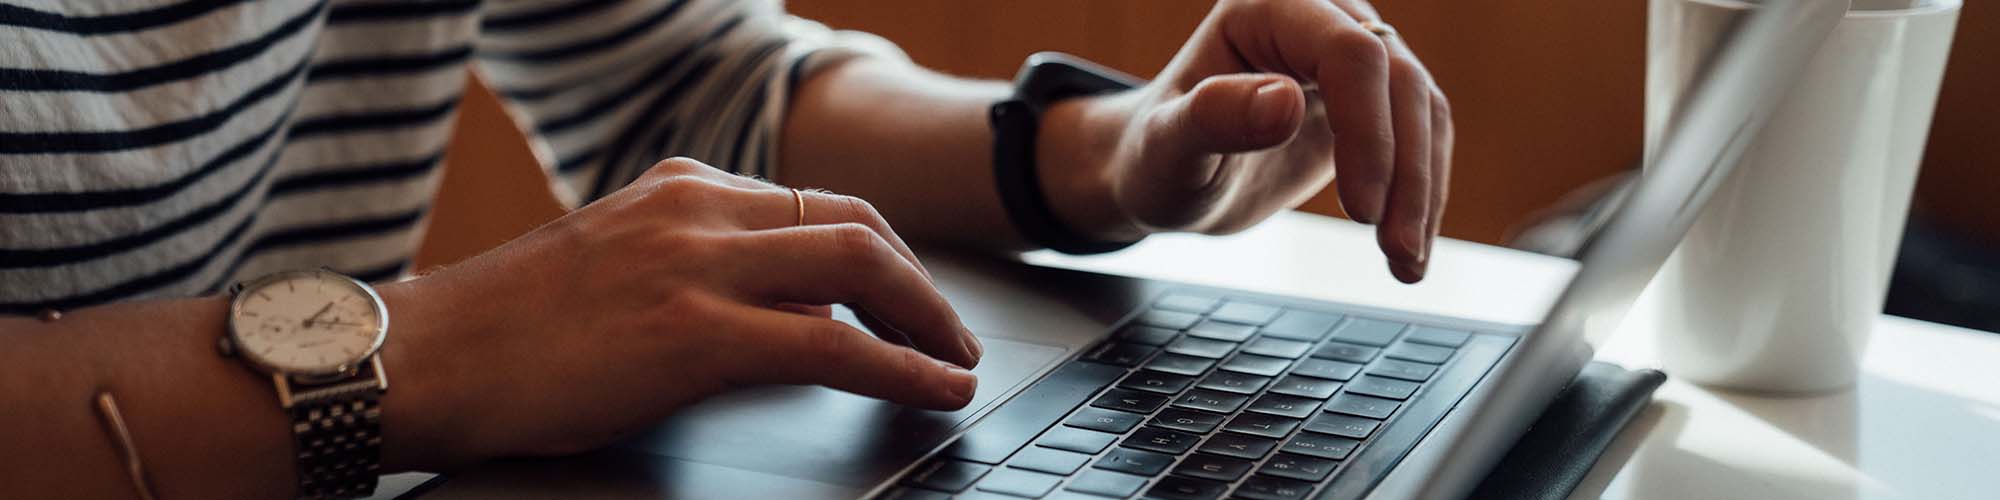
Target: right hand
{"x":686,"y":283}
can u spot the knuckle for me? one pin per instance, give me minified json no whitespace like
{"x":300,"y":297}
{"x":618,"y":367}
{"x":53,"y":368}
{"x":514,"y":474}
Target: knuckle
{"x":858,"y":241}
{"x":1440,"y":105}
{"x":829,"y":341}
{"x":679,"y":165}
{"x":1359,"y":47}
{"x":859,"y":210}
{"x":1409,"y":69}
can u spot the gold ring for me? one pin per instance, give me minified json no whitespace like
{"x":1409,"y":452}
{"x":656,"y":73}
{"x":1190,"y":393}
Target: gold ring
{"x":1379,"y":28}
{"x":800,"y":199}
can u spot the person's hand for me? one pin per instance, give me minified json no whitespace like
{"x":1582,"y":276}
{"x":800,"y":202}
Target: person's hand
{"x":688,"y":282}
{"x":1226,"y":135}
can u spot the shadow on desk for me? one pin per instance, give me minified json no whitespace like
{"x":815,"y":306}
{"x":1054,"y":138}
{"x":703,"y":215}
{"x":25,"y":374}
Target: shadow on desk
{"x":1884,"y":438}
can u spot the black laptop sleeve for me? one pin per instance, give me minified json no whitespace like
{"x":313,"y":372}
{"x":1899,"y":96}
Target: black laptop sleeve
{"x":1553,"y":457}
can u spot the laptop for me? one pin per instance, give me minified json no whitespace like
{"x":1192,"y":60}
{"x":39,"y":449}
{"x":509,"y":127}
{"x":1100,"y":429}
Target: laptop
{"x":1098,"y":386}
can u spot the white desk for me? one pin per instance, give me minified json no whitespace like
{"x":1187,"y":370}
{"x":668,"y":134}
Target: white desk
{"x":1923,"y":423}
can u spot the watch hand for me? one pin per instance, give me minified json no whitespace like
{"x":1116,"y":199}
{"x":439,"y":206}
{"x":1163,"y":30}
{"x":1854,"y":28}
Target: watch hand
{"x":309,"y":319}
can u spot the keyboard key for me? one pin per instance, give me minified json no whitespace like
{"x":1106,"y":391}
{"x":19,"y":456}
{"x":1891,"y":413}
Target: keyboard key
{"x":1277,"y":348}
{"x":915,"y":494}
{"x":1273,"y":488}
{"x":1021,"y":483}
{"x":1342,"y":425}
{"x":1286,"y":406}
{"x":1305,"y":387}
{"x":1146,"y":335}
{"x":1320,"y":445}
{"x":1238,"y":445}
{"x":1166,"y":441}
{"x":1077,"y":440}
{"x":1017,"y":422}
{"x":1385,"y":387}
{"x":1354,"y":404}
{"x":1419,"y":352}
{"x":984,"y":495}
{"x":1115,"y":422}
{"x":948,"y":475}
{"x":1106,"y":483}
{"x":1327,"y":369}
{"x":1127,"y":460}
{"x":1438,"y":336}
{"x":1201,"y":348}
{"x":1406,"y":370}
{"x":1223,"y":469}
{"x":1373,"y":332}
{"x":1303,"y":468}
{"x":1245,"y":313}
{"x":1172,"y":320}
{"x":1048,"y":460}
{"x":1179,"y":364}
{"x":1257,"y":365}
{"x":1226,"y":332}
{"x":1197,"y":304}
{"x":1342,"y":351}
{"x":1211,"y":401}
{"x":1299,"y":325}
{"x":1240,"y":383}
{"x":1184,"y":488}
{"x":1130,"y":400}
{"x":1120,"y":353}
{"x":1152,"y":381}
{"x":1261,"y":425}
{"x":1187,"y":420}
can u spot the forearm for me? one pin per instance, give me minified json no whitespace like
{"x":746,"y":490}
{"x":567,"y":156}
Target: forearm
{"x":918,"y":146}
{"x":204,"y":425}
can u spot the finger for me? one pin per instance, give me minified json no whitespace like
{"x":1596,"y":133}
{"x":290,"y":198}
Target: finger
{"x":1442,"y":132}
{"x":821,"y":311}
{"x":1407,"y":223}
{"x":851,"y":264}
{"x":791,"y":349}
{"x":779,"y":208}
{"x":1223,"y":114}
{"x":1350,"y":66}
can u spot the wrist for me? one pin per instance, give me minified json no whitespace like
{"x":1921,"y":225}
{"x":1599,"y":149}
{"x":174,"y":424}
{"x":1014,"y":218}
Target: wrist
{"x":1075,"y":148}
{"x":425,"y":416}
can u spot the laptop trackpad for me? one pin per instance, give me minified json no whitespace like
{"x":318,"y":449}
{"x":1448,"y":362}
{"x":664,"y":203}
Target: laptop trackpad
{"x":831,"y":436}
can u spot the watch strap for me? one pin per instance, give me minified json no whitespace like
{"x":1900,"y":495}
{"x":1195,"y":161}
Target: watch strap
{"x":1044,"y":79}
{"x":339,"y":445}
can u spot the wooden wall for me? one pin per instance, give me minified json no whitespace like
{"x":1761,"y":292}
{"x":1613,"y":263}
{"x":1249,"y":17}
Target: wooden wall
{"x":1547,"y":95}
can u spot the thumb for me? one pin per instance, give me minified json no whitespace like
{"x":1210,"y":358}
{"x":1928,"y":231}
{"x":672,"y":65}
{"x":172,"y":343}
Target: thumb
{"x":1228,"y":114}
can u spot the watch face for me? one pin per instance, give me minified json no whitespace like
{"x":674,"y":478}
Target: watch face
{"x":307,"y":322}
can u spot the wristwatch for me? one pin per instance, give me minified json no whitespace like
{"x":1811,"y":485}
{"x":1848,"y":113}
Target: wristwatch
{"x":319,"y":334}
{"x":1047,"y":77}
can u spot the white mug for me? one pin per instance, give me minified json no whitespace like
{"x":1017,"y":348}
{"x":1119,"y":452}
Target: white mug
{"x":1779,"y":281}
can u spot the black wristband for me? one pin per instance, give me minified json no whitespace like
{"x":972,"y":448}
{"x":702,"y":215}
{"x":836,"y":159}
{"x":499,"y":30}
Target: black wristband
{"x":1046,"y":78}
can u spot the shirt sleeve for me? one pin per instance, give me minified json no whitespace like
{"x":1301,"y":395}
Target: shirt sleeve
{"x":605,"y":88}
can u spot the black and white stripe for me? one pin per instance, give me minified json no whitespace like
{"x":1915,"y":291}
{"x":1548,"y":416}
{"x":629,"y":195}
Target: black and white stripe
{"x":166,"y":148}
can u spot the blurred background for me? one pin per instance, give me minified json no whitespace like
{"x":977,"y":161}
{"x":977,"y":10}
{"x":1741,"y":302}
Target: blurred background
{"x":1547,"y":100}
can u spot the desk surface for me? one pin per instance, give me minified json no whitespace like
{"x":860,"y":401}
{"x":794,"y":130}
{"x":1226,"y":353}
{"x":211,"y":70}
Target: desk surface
{"x":1923,"y":423}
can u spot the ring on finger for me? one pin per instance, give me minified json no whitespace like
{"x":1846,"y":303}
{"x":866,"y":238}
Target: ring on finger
{"x":799,"y":198}
{"x":1379,"y":28}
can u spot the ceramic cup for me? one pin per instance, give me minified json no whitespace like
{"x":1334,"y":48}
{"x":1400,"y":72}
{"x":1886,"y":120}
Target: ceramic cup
{"x":1779,"y":281}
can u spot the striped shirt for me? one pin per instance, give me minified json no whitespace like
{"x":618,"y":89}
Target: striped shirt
{"x":167,"y":148}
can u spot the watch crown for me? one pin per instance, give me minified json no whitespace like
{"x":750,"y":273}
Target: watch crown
{"x":226,"y":347}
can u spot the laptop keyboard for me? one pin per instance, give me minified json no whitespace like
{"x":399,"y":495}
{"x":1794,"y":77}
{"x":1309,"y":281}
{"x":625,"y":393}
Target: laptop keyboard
{"x":1202,"y":397}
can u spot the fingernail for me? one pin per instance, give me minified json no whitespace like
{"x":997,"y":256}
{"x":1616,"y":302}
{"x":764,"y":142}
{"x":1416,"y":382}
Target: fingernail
{"x":1271,"y":106}
{"x":973,"y":345}
{"x":960,"y":382}
{"x":1413,"y":243}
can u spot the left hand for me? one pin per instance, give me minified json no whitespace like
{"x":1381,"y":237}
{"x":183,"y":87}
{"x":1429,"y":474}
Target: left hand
{"x":1226,"y":135}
